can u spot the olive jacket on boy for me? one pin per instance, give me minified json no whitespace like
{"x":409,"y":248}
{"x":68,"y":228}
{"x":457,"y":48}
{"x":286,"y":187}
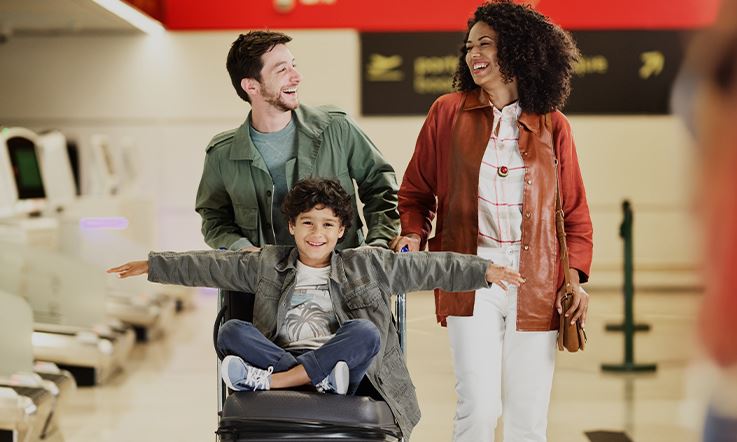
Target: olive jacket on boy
{"x":361,"y":283}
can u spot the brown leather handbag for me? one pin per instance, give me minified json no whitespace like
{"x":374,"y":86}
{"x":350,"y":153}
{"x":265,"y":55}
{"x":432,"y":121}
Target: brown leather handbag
{"x":571,"y":337}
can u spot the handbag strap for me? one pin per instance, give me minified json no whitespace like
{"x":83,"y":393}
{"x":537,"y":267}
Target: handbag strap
{"x":560,"y":220}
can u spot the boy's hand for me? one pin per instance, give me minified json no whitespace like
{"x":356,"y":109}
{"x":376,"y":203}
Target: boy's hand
{"x":501,"y":276}
{"x":133,"y":268}
{"x":412,"y":241}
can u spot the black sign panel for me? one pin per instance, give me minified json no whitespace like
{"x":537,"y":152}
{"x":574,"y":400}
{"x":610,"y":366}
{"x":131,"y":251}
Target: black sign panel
{"x":621,"y":72}
{"x":625,"y":72}
{"x":402,"y":73}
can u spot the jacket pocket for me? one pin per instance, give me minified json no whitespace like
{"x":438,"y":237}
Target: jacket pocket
{"x":363,"y":296}
{"x":246,"y":217}
{"x":345,"y":180}
{"x":269,"y":289}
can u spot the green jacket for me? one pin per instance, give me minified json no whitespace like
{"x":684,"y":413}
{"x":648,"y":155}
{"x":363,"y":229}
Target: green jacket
{"x":234,"y":198}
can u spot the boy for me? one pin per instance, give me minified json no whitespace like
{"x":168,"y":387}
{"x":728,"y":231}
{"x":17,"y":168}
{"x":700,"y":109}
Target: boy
{"x":321,"y":316}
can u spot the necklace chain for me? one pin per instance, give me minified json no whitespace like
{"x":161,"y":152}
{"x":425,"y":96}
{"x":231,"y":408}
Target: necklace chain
{"x":502,"y":169}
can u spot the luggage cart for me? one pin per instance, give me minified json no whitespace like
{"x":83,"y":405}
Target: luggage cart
{"x":303,"y":416}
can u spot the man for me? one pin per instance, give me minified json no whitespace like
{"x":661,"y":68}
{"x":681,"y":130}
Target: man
{"x":249,"y":170}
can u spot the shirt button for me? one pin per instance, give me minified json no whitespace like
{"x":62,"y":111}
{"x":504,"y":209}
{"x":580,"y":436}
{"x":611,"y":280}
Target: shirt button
{"x":527,"y":247}
{"x":528,"y":214}
{"x":529,"y":181}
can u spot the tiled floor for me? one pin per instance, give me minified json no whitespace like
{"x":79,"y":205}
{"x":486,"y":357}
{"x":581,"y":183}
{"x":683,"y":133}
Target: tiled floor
{"x":168,"y":390}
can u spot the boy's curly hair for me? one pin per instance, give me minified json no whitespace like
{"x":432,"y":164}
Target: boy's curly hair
{"x":538,"y":53}
{"x":319,"y":193}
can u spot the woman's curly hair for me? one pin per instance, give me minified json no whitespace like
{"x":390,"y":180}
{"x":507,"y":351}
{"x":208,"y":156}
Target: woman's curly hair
{"x":531,"y":49}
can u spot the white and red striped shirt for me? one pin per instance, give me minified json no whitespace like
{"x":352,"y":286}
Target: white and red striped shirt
{"x":500,"y":198}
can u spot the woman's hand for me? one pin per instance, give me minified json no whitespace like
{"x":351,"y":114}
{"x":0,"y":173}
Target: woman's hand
{"x":133,"y":268}
{"x":580,"y":304}
{"x":501,"y":276}
{"x":411,"y":240}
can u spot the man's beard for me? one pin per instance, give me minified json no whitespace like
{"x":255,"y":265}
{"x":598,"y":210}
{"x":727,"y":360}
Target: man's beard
{"x":277,"y":101}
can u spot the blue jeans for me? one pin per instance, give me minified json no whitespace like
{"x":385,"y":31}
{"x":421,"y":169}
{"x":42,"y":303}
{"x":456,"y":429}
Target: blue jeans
{"x":356,"y":342}
{"x":719,"y":428}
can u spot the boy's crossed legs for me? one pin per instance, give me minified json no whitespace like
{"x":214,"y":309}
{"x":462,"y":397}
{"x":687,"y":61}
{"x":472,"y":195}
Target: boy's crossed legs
{"x":355,"y":344}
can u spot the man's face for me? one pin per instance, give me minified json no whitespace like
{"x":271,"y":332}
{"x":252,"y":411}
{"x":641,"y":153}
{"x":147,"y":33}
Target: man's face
{"x":279,"y":79}
{"x":316,"y":233}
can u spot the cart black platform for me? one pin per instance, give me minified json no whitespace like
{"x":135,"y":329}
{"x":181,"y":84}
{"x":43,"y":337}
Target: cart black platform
{"x":304,"y":416}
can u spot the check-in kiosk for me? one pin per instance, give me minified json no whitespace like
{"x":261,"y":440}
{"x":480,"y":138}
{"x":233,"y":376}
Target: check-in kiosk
{"x":110,"y":170}
{"x":95,"y":230}
{"x":67,"y":295}
{"x":27,"y":402}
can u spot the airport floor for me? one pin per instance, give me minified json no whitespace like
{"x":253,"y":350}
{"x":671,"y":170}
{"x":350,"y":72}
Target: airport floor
{"x":168,"y":389}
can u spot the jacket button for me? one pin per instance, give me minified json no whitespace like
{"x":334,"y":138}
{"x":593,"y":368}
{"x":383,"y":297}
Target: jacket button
{"x":527,"y":247}
{"x":529,"y":181}
{"x":268,"y":193}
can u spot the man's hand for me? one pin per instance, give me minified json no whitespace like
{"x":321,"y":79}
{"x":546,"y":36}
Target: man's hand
{"x":133,"y":268}
{"x":411,"y":240}
{"x":501,"y":276}
{"x":249,"y":249}
{"x":580,"y":304}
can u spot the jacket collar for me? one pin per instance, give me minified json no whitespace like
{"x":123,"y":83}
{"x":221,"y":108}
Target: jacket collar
{"x":311,"y":122}
{"x":290,"y":264}
{"x":473,"y":100}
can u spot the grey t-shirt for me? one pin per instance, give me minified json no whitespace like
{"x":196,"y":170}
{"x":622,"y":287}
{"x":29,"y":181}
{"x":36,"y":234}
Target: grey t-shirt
{"x":277,"y":148}
{"x":310,"y":321}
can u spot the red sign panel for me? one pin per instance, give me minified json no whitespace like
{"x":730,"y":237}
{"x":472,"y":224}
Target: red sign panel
{"x":428,"y":15}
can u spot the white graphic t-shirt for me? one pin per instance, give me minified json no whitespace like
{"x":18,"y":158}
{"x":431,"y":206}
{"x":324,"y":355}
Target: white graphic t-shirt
{"x":310,"y":320}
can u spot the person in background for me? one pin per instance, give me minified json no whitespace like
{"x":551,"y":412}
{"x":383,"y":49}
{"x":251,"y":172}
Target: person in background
{"x":249,"y":170}
{"x":488,"y":161}
{"x":705,"y":97}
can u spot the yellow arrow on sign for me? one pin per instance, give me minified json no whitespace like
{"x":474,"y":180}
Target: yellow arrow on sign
{"x":652,"y":64}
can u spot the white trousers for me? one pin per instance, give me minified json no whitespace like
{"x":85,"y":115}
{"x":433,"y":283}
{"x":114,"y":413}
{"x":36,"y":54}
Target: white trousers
{"x":497,"y":367}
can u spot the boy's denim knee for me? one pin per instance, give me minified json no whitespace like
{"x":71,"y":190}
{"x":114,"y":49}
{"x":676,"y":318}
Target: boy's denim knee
{"x":367,"y":332}
{"x":228,"y":332}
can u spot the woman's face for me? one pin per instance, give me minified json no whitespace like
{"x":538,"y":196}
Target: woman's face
{"x":481,"y":56}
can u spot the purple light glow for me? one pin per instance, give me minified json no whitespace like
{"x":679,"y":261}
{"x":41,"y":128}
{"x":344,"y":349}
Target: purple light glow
{"x":104,"y":223}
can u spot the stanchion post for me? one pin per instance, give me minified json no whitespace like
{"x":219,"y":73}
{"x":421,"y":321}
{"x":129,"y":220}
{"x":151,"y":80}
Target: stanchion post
{"x":629,"y":328}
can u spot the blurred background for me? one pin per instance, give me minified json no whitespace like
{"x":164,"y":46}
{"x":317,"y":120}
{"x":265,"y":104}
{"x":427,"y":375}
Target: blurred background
{"x":129,"y":93}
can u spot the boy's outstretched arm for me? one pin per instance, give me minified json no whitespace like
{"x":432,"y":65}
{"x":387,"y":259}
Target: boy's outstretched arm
{"x":452,"y":272}
{"x":230,"y":270}
{"x":133,"y":268}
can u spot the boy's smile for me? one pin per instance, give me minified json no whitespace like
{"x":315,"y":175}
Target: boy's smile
{"x":316,"y":233}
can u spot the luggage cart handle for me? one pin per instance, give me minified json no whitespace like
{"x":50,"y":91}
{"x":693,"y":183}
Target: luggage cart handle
{"x":400,"y":310}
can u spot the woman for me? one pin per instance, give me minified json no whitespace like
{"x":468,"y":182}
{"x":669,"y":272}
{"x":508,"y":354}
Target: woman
{"x":485,"y":160}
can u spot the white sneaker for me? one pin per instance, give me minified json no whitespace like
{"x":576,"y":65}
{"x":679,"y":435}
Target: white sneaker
{"x":239,"y":375}
{"x":337,"y":381}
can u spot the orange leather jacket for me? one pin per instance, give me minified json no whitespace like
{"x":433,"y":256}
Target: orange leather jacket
{"x":445,"y":165}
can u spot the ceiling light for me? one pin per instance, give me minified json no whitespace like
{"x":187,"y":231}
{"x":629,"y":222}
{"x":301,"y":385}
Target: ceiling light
{"x":132,"y":16}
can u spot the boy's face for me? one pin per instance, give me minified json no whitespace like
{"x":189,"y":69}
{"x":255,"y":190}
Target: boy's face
{"x":316,"y":233}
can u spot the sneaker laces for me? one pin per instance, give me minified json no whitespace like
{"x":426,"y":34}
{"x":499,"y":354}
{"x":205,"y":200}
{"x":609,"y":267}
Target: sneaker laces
{"x":257,"y":378}
{"x":324,"y":385}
